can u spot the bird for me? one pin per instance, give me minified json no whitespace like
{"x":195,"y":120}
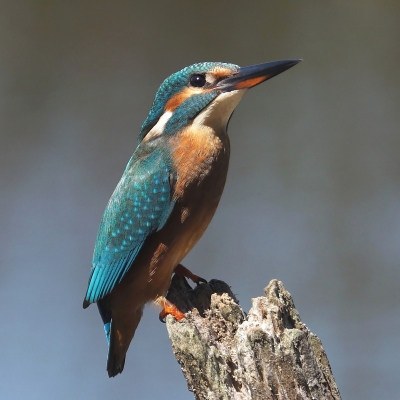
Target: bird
{"x":167,"y":196}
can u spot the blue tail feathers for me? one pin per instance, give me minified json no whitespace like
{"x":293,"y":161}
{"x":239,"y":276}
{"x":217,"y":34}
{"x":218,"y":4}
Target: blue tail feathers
{"x":107,"y":330}
{"x":106,"y":317}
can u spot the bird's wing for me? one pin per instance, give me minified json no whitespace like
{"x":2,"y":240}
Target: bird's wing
{"x":140,"y":205}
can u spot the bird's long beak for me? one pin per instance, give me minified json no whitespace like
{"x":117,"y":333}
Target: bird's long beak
{"x":253,"y":75}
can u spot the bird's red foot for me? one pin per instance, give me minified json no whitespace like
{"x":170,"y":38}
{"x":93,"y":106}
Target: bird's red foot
{"x":180,"y":270}
{"x":168,"y":308}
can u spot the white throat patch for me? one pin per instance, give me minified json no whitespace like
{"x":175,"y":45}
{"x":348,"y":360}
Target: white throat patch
{"x":218,"y":112}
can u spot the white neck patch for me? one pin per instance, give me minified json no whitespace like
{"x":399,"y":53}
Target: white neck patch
{"x":158,"y":128}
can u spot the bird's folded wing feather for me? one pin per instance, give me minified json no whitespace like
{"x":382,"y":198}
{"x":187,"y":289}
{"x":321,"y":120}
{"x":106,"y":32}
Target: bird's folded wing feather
{"x":140,"y":205}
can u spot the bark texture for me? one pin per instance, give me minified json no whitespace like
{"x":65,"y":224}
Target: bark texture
{"x":268,"y":354}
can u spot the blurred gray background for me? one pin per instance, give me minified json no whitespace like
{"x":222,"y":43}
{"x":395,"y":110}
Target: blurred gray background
{"x":312,"y":198}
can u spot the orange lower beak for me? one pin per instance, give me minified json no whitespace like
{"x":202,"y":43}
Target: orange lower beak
{"x":247,"y":77}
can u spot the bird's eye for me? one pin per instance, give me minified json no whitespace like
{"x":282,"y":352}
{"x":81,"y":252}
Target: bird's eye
{"x":197,"y":80}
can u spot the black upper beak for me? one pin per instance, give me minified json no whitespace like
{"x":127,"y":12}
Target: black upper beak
{"x":253,"y":75}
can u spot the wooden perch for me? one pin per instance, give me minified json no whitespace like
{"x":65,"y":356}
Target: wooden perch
{"x":268,"y":354}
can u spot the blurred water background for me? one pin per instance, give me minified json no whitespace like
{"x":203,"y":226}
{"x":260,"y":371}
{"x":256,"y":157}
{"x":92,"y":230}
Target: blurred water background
{"x":312,"y":198}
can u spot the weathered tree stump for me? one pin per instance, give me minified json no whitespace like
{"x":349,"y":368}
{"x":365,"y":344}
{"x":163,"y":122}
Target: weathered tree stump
{"x":268,"y":354}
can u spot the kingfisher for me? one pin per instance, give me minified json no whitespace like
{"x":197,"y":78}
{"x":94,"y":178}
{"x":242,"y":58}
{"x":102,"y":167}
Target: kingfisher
{"x":167,"y":196}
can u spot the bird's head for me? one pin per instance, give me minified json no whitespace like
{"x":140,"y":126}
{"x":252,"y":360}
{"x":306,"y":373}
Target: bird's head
{"x":207,"y":92}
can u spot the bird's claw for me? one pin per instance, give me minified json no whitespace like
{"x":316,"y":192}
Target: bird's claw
{"x":168,"y":308}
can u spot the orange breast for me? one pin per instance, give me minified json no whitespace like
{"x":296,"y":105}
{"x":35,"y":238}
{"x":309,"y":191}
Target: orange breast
{"x":195,"y":150}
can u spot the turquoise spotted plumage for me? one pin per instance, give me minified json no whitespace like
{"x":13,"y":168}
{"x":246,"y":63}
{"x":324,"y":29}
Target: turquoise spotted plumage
{"x":139,"y":206}
{"x":167,"y":196}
